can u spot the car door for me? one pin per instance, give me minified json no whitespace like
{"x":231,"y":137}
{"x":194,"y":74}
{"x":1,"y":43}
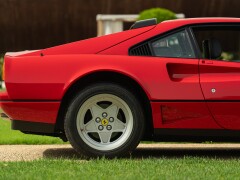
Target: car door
{"x":182,"y":103}
{"x":220,"y":76}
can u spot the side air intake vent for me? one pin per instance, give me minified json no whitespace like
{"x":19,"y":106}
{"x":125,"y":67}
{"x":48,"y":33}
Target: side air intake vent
{"x":142,"y":50}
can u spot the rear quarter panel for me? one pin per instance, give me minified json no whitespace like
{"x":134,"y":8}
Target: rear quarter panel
{"x":49,"y":77}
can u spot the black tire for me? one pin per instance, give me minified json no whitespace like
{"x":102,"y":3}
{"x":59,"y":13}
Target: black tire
{"x":134,"y":135}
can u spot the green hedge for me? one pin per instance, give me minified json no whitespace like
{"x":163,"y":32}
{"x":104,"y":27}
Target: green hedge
{"x":159,"y":13}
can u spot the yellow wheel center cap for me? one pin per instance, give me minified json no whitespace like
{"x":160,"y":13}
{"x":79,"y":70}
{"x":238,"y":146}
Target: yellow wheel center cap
{"x":104,"y":122}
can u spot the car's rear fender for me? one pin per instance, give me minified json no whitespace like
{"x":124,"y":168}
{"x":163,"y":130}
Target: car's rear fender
{"x":49,"y":77}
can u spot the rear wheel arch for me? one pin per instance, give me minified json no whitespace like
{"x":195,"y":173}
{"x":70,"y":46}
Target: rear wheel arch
{"x":112,"y":77}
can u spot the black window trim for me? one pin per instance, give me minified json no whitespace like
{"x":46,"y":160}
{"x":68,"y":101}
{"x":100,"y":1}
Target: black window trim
{"x":194,"y":43}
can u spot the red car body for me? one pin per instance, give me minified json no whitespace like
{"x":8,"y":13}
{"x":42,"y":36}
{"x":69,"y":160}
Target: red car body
{"x":194,"y":98}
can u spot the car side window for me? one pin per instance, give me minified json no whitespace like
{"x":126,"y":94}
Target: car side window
{"x":219,"y":42}
{"x":175,"y":45}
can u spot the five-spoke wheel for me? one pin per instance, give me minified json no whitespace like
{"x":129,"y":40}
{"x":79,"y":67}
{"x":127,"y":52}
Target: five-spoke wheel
{"x":104,"y":120}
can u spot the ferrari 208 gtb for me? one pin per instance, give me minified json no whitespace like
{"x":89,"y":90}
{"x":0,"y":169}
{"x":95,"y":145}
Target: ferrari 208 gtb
{"x":178,"y":80}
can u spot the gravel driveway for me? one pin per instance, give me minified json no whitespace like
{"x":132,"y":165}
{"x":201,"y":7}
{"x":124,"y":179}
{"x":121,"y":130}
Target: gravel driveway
{"x":33,"y":152}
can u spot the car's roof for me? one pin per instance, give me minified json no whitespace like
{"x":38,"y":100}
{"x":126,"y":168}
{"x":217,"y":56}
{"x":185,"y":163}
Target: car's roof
{"x":183,"y":22}
{"x":204,"y":20}
{"x":173,"y":24}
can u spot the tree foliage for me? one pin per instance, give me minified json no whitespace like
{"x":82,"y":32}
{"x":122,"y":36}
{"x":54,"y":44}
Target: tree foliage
{"x":160,"y":13}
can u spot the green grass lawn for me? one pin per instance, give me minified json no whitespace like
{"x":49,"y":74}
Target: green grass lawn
{"x":149,"y":168}
{"x":8,"y":136}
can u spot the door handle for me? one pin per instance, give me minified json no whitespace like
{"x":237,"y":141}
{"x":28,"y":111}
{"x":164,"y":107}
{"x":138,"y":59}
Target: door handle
{"x":207,"y":62}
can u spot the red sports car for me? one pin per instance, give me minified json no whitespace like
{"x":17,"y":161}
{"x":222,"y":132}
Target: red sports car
{"x":178,"y":80}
